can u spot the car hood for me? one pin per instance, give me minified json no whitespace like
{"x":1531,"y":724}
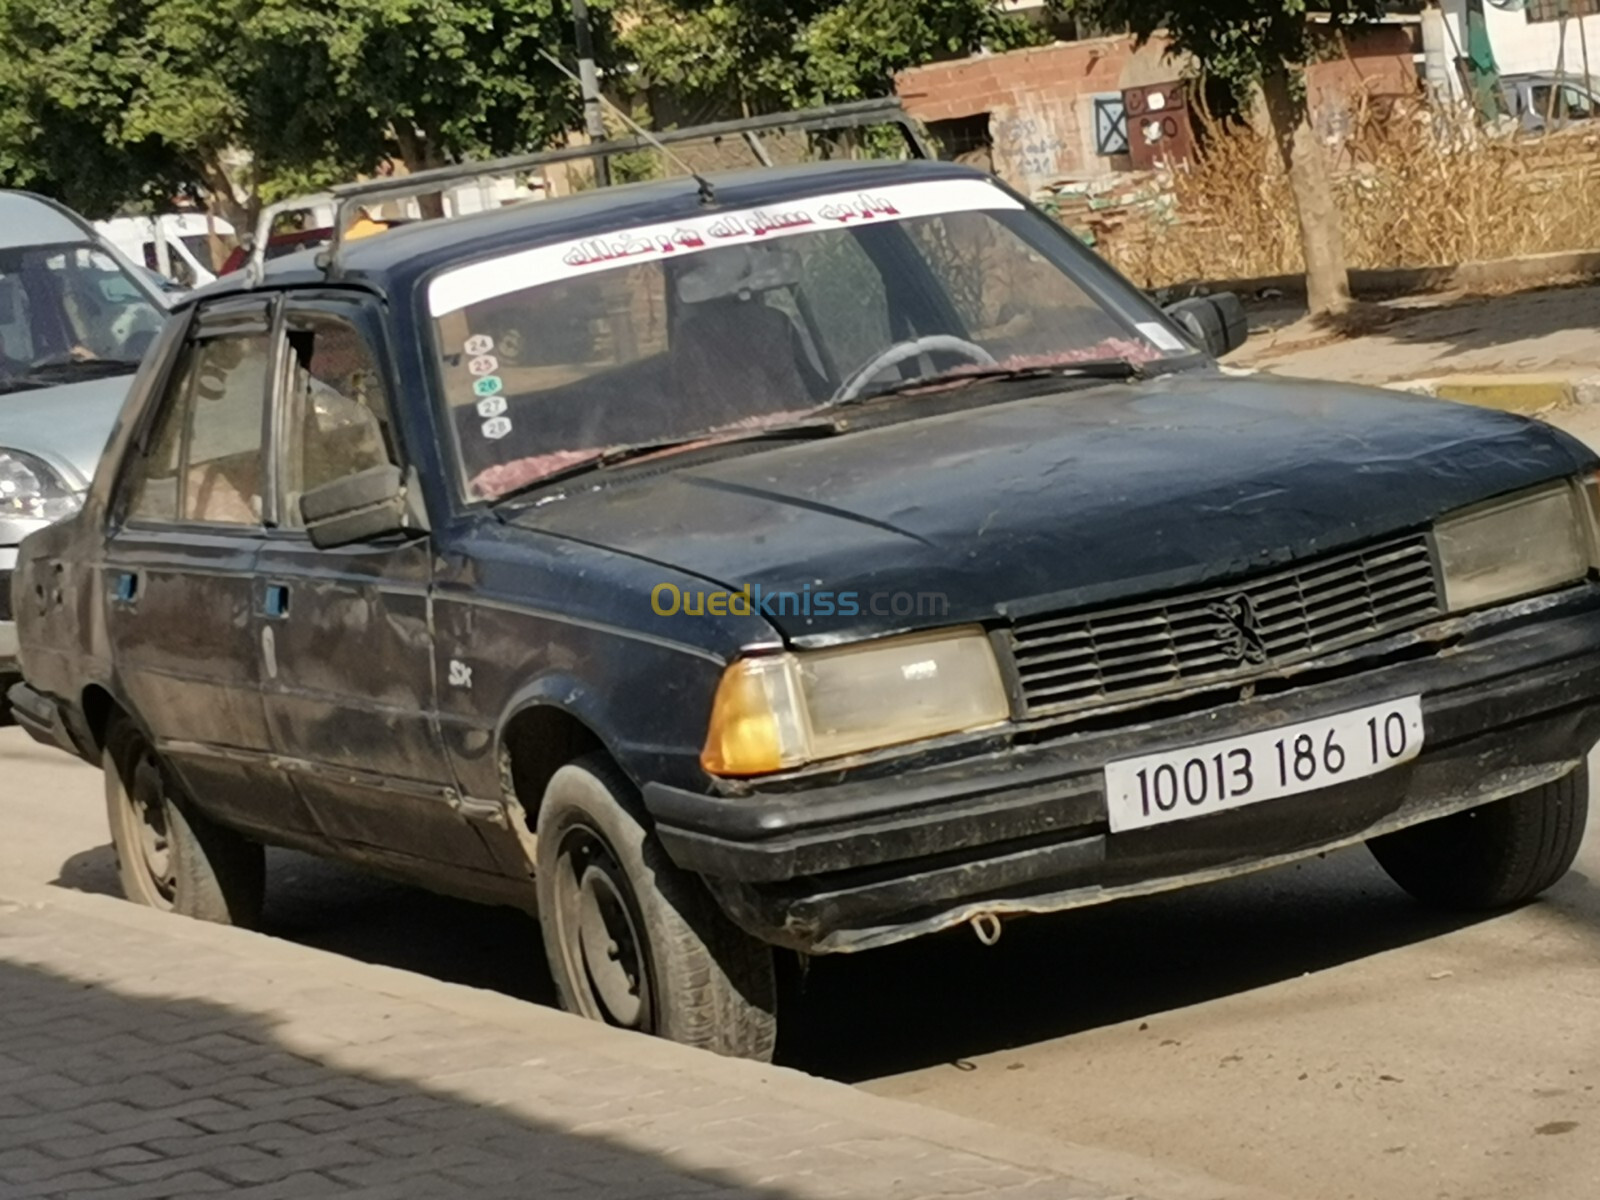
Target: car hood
{"x":67,"y":426}
{"x":1074,"y":499}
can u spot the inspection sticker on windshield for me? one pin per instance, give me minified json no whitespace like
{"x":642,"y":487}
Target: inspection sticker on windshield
{"x":1218,"y":776}
{"x":473,"y":284}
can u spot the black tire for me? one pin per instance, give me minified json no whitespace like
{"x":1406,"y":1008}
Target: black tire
{"x":1497,"y":856}
{"x":632,"y":940}
{"x":169,"y":856}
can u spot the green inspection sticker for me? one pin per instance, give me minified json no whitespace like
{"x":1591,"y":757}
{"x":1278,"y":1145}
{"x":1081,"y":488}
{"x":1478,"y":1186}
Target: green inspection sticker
{"x":489,"y":385}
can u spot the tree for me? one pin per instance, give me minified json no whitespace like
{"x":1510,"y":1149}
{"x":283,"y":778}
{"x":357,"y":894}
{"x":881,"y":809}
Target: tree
{"x":1264,"y":44}
{"x":426,"y":81}
{"x":746,"y":56}
{"x":107,"y":101}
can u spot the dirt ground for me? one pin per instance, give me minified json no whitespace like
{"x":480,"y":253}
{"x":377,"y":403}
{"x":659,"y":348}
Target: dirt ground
{"x":1551,"y":331}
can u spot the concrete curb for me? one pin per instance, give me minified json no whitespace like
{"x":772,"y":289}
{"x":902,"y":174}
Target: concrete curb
{"x":1530,"y":271}
{"x":1114,"y":1173}
{"x":1523,"y":393}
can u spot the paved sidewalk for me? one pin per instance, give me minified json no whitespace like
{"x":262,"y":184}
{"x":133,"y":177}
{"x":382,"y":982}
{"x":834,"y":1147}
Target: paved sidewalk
{"x":144,"y":1057}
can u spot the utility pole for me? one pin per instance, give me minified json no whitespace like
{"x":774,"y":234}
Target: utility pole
{"x":589,"y":84}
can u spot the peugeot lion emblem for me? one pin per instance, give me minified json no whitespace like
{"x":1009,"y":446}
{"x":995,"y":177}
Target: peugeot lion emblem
{"x":1237,"y":631}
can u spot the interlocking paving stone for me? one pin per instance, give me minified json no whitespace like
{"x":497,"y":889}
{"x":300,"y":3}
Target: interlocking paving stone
{"x":150,"y":1058}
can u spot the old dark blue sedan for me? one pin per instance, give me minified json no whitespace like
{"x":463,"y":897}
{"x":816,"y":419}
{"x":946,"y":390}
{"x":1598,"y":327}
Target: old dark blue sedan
{"x":806,"y":559}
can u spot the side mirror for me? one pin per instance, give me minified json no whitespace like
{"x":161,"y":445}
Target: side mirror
{"x":1218,"y":323}
{"x":370,"y":504}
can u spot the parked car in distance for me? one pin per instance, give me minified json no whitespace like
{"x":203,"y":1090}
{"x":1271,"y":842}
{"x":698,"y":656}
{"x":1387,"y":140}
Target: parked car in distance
{"x":1543,"y":102}
{"x":74,"y":322}
{"x":805,"y":560}
{"x":177,"y":246}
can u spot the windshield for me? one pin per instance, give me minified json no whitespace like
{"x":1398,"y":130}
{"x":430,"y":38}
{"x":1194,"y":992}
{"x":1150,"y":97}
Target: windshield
{"x":69,"y":313}
{"x":740,"y":321}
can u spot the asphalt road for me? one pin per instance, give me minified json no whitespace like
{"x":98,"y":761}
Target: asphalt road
{"x":1309,"y":1031}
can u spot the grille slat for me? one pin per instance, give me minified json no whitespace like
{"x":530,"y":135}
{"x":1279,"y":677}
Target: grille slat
{"x":1077,"y":661}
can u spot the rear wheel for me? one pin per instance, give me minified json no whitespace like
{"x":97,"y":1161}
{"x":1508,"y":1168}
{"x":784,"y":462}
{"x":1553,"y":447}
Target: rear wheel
{"x":169,"y":856}
{"x":632,"y":940}
{"x":1496,"y":856}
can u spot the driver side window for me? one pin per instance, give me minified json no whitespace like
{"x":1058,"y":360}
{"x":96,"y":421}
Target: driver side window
{"x":338,"y":418}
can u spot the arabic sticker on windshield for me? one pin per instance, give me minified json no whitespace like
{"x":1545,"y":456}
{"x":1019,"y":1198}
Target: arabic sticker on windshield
{"x":492,"y":407}
{"x":478,"y":344}
{"x":1162,"y":337}
{"x":489,"y":385}
{"x":496,"y":428}
{"x":488,"y":364}
{"x":477,"y":282}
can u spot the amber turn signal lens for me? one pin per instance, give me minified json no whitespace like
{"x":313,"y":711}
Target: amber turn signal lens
{"x":744,"y":736}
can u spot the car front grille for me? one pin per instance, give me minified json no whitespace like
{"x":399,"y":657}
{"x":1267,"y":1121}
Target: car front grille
{"x":1083,"y":660}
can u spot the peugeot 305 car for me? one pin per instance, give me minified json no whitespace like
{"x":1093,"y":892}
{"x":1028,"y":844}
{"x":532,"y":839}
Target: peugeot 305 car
{"x":806,"y":559}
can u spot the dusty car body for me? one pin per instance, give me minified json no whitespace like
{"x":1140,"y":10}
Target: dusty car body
{"x":74,"y":320}
{"x":797,"y":583}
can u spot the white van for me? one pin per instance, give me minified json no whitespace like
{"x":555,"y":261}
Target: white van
{"x":176,"y":245}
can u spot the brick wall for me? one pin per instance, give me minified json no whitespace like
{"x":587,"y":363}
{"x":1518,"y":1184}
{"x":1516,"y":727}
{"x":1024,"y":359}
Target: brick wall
{"x":1040,"y":102}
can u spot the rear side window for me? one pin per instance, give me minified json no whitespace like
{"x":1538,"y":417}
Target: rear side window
{"x":204,"y":460}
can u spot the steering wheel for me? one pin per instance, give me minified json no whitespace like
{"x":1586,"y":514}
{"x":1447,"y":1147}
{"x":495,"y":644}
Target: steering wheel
{"x":901,"y":352}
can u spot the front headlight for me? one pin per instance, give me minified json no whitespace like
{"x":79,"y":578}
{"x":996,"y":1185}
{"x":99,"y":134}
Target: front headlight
{"x":30,"y":489}
{"x":1533,"y":543}
{"x":785,"y":710}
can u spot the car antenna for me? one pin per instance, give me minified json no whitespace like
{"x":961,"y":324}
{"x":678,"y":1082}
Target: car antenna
{"x":708,"y":191}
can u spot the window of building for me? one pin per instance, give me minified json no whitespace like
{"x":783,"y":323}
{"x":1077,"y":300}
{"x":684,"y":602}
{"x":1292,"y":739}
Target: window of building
{"x":1556,"y":10}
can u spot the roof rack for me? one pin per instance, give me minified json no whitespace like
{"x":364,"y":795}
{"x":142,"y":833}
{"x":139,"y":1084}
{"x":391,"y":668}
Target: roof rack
{"x":345,"y":197}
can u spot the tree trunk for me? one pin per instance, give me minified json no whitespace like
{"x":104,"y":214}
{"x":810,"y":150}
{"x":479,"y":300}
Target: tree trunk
{"x":419,"y":152}
{"x":1306,"y":164}
{"x":223,"y":200}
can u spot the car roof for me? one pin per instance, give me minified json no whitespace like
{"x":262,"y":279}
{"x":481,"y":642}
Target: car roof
{"x":392,"y":262}
{"x":30,"y":220}
{"x":1577,"y":81}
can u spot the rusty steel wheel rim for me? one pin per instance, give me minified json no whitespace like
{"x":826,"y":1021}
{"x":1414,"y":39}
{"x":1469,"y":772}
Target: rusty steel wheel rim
{"x":152,"y":837}
{"x":600,"y":934}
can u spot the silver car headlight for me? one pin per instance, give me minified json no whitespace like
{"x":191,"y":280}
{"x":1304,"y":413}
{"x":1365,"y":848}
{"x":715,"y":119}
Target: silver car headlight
{"x":1531,"y":543}
{"x":779,"y":711}
{"x":32,"y":490}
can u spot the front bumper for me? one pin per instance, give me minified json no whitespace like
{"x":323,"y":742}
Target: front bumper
{"x":1511,"y":701}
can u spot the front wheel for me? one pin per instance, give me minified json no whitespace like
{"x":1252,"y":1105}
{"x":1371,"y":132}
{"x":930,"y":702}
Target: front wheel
{"x":632,"y":940}
{"x":1496,"y":856}
{"x":169,"y":856}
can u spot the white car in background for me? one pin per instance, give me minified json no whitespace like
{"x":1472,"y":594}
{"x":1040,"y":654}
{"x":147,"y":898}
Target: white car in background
{"x":75,"y":320}
{"x":174,"y":245}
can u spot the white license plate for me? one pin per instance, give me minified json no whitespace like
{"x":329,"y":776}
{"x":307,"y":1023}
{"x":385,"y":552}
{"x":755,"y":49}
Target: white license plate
{"x":1218,"y":776}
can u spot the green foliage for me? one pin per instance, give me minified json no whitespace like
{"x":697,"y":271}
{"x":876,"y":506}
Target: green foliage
{"x":107,"y":103}
{"x":761,"y":55}
{"x":1239,"y":41}
{"x":430,"y":81}
{"x":104,"y":102}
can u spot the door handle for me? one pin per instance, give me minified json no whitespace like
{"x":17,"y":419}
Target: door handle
{"x":126,"y":588}
{"x":275,"y":601}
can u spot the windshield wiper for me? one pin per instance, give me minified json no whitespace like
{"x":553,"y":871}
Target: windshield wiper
{"x":21,"y":383}
{"x":1103,"y":368}
{"x":617,"y":455}
{"x":54,"y":370}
